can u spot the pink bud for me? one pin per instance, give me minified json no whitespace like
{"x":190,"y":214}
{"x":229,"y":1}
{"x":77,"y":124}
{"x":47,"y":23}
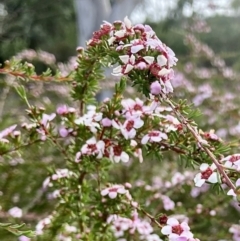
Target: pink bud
{"x":155,"y":88}
{"x":106,"y":122}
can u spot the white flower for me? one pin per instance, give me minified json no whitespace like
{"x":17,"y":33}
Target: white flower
{"x":232,"y":161}
{"x":207,"y":174}
{"x":128,"y":65}
{"x":117,"y":154}
{"x":47,"y":118}
{"x":133,"y":107}
{"x":127,"y":22}
{"x":93,"y":147}
{"x":128,"y":129}
{"x":61,"y":173}
{"x":149,"y":59}
{"x":7,"y":132}
{"x":90,"y":119}
{"x":15,"y":212}
{"x":161,"y":60}
{"x":231,"y":191}
{"x":154,"y":136}
{"x":176,"y":230}
{"x":113,"y":191}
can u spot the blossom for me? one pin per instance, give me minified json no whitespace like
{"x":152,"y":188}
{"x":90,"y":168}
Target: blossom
{"x":207,"y":174}
{"x":63,"y":132}
{"x":113,"y":191}
{"x":153,"y":136}
{"x":128,"y":129}
{"x":7,"y":132}
{"x":137,"y":45}
{"x":176,"y":230}
{"x":168,"y":204}
{"x":93,"y":147}
{"x":61,"y":173}
{"x":42,"y":224}
{"x":106,"y":122}
{"x":155,"y":88}
{"x":128,"y":65}
{"x":232,"y":161}
{"x":117,"y":154}
{"x":64,"y":110}
{"x":15,"y":212}
{"x":235,"y":230}
{"x":133,"y":107}
{"x":91,"y":119}
{"x":231,"y":191}
{"x":47,"y":118}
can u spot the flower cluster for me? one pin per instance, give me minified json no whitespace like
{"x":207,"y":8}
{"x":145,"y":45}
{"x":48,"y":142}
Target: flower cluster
{"x":144,"y":52}
{"x":122,"y":226}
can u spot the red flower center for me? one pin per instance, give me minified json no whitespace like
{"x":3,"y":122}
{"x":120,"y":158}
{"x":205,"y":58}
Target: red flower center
{"x":137,"y":107}
{"x":234,"y":158}
{"x":177,"y":229}
{"x":117,"y":150}
{"x":206,"y":174}
{"x":113,"y":189}
{"x":130,"y":125}
{"x":92,"y":147}
{"x":154,"y":69}
{"x":153,"y":133}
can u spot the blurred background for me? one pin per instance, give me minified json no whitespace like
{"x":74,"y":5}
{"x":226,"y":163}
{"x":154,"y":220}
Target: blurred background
{"x":205,"y":36}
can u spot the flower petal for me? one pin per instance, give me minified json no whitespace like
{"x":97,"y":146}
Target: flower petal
{"x":213,"y":178}
{"x":204,"y":167}
{"x":124,"y":157}
{"x":112,"y":195}
{"x":172,"y":222}
{"x":166,"y":230}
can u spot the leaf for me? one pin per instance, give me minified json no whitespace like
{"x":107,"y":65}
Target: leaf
{"x":21,"y":91}
{"x":14,"y":229}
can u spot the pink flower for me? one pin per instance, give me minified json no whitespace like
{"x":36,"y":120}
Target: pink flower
{"x":128,"y":129}
{"x":232,"y":161}
{"x":133,"y":107}
{"x":128,"y":65}
{"x":93,"y":147}
{"x":155,"y":88}
{"x":235,"y":230}
{"x":231,"y":191}
{"x":63,"y":132}
{"x":137,"y":45}
{"x":91,"y":119}
{"x":106,"y":122}
{"x":7,"y":132}
{"x":62,"y":110}
{"x":15,"y":212}
{"x":168,"y":204}
{"x":47,"y":118}
{"x":175,"y":230}
{"x":154,"y":136}
{"x":207,"y":174}
{"x":117,"y":154}
{"x":113,"y":191}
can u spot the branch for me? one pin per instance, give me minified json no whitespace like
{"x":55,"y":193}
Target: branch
{"x":200,"y":142}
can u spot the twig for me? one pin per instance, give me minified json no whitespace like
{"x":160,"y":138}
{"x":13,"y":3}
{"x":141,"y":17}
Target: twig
{"x":203,"y":147}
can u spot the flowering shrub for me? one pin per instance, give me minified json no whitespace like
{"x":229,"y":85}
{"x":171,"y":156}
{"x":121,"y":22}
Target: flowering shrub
{"x":99,"y":189}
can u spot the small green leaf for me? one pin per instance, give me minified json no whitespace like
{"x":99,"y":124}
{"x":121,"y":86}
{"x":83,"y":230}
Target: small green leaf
{"x":21,"y":91}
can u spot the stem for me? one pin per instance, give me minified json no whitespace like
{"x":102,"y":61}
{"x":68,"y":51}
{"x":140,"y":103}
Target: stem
{"x":200,"y":142}
{"x":34,"y":77}
{"x":19,"y":147}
